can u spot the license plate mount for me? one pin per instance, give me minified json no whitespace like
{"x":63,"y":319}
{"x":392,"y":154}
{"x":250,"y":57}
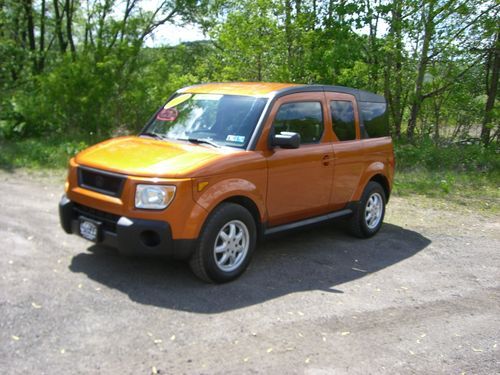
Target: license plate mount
{"x":90,"y":229}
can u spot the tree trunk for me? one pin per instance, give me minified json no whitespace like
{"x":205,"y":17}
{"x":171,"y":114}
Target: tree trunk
{"x":491,"y":89}
{"x":2,"y":4}
{"x":393,"y":68}
{"x":422,"y":68}
{"x":58,"y":26}
{"x":30,"y":26}
{"x":41,"y":44}
{"x":69,"y":7}
{"x":289,"y":37}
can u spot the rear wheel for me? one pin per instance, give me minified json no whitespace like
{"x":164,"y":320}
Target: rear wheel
{"x":369,"y":215}
{"x":225,"y":245}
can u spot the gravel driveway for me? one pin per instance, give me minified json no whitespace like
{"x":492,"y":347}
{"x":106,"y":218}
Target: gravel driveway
{"x":423,"y":296}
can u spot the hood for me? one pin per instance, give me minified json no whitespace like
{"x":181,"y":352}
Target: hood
{"x":137,"y":156}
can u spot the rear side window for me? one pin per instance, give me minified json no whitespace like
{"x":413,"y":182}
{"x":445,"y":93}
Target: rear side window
{"x":305,"y":118}
{"x":343,"y":119}
{"x":375,"y":119}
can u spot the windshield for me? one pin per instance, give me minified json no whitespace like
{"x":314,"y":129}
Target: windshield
{"x":220,"y":120}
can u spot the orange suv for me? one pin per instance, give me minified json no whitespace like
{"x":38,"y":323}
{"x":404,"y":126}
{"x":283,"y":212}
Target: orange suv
{"x":223,"y":164}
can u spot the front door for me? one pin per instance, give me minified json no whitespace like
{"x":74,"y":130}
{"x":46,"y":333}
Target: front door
{"x":300,"y":180}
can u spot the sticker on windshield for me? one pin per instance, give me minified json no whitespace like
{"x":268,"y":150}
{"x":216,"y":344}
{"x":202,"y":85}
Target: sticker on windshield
{"x":178,"y":100}
{"x":167,"y":114}
{"x":239,"y":139}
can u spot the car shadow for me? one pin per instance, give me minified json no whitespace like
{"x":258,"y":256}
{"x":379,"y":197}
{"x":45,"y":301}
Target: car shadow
{"x":317,"y":258}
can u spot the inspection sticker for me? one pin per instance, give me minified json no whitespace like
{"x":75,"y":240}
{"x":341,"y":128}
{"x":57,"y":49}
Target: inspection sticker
{"x":235,"y":138}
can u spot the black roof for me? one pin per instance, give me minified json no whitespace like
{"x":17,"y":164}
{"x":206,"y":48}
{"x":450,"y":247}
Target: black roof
{"x":361,"y":95}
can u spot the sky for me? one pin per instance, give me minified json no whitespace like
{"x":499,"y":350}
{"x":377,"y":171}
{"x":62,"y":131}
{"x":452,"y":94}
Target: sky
{"x":171,"y":35}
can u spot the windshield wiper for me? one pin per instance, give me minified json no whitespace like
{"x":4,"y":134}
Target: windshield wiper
{"x":202,"y":140}
{"x":154,"y":135}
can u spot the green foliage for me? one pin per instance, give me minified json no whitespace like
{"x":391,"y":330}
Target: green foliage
{"x":455,"y":157}
{"x":461,"y":173}
{"x":39,"y":152}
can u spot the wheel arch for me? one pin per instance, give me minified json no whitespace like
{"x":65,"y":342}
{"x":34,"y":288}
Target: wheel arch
{"x":249,"y":205}
{"x":384,"y":182}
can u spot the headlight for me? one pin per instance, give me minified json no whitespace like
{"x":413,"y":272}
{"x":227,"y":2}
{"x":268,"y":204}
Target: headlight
{"x":154,"y":197}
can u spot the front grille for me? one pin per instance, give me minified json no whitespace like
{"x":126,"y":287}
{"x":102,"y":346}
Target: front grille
{"x":100,"y":181}
{"x":108,"y":220}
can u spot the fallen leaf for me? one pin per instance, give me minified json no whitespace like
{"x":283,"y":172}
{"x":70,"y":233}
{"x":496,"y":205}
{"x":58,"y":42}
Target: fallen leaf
{"x":62,"y":351}
{"x":15,"y":338}
{"x":269,"y":350}
{"x":476,"y":350}
{"x":97,"y":289}
{"x":80,"y":286}
{"x":246,"y":359}
{"x":30,"y":238}
{"x":422,"y":335}
{"x":300,"y":313}
{"x":154,"y":370}
{"x":301,"y":335}
{"x":254,"y":333}
{"x":158,"y":341}
{"x":345,"y":333}
{"x":307,"y":360}
{"x":324,"y":338}
{"x":172,"y":338}
{"x":36,"y":306}
{"x":412,"y":353}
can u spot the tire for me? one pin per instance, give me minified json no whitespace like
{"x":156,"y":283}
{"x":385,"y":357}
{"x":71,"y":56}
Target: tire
{"x":369,"y":215}
{"x":226,"y":244}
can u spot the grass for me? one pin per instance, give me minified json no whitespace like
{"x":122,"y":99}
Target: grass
{"x":38,"y":153}
{"x":467,"y":175}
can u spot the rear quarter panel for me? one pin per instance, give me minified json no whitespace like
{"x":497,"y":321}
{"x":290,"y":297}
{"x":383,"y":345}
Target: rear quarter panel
{"x":378,"y":154}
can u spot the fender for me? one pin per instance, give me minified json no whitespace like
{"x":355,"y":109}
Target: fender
{"x":225,"y":188}
{"x":372,"y":170}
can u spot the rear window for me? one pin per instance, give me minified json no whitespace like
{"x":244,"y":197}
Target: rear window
{"x":375,"y":119}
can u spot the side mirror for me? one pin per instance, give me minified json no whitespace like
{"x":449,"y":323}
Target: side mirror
{"x":286,"y":140}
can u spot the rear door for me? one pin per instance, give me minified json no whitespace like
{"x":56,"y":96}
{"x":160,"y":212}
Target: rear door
{"x":300,"y":180}
{"x":343,"y":118}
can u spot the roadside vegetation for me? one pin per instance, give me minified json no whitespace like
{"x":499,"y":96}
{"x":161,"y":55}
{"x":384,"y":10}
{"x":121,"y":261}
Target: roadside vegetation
{"x":75,"y":72}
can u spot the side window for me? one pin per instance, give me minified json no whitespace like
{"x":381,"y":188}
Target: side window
{"x":343,"y":119}
{"x":305,"y":118}
{"x":375,"y":119}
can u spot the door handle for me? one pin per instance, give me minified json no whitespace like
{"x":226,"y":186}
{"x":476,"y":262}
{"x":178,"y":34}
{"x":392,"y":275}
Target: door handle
{"x":325,"y":160}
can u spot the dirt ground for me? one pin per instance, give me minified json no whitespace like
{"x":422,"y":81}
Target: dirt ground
{"x":423,"y":296}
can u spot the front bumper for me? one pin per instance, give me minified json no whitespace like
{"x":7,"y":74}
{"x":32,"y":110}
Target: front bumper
{"x":130,"y":236}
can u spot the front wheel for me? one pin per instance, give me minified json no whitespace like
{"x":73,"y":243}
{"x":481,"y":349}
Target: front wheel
{"x":225,"y":245}
{"x":369,"y":215}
